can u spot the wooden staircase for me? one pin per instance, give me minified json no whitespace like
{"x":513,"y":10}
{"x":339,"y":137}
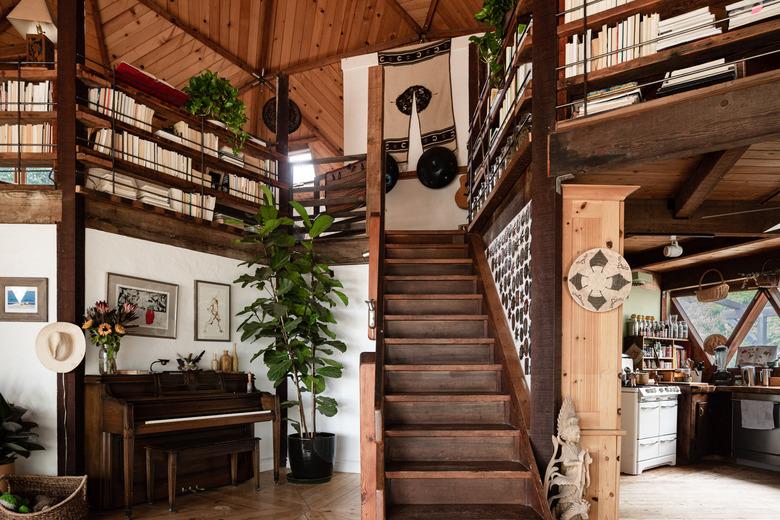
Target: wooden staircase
{"x":455,"y":444}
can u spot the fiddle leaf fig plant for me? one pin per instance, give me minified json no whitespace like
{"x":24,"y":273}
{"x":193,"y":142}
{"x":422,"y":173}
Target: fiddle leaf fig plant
{"x":17,"y":438}
{"x":216,"y":98}
{"x":294,"y":310}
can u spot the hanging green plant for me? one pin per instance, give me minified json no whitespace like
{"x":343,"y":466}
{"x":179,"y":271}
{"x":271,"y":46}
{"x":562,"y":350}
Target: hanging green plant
{"x":493,"y":14}
{"x":215,"y":98}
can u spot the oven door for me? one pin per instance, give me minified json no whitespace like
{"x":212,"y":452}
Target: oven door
{"x":758,"y":445}
{"x":649,"y":419}
{"x":668,"y":417}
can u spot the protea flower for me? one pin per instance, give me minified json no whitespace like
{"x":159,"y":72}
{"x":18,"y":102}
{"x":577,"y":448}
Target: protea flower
{"x":129,"y":308}
{"x":102,"y":307}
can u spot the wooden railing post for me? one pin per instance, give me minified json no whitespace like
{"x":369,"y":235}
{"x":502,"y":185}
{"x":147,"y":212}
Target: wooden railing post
{"x":368,"y":451}
{"x":375,"y":192}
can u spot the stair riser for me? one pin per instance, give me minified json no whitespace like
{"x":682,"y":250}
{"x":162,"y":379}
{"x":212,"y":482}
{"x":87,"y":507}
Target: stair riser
{"x":466,"y":306}
{"x":430,"y":286}
{"x":433,"y":238}
{"x":456,"y":382}
{"x":461,"y":491}
{"x":419,"y":269}
{"x":427,"y":252}
{"x":452,"y":448}
{"x":438,"y":354}
{"x":446,"y":412}
{"x":435,"y":329}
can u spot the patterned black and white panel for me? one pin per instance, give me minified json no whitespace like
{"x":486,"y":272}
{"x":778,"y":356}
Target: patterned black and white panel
{"x":509,"y":257}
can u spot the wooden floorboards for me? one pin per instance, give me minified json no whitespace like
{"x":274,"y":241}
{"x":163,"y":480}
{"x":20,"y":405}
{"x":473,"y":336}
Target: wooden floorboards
{"x":700,"y":492}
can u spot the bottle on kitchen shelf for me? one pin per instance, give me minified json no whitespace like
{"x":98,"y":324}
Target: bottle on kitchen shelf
{"x":215,"y":363}
{"x":225,"y":362}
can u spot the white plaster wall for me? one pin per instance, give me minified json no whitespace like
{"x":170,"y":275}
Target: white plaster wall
{"x":30,"y":250}
{"x":410,"y":205}
{"x":107,"y":252}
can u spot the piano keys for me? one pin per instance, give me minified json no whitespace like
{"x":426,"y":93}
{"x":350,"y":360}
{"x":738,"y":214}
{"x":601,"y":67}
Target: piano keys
{"x":126,"y":413}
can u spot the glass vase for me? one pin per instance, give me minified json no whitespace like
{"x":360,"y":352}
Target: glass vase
{"x":106,"y":361}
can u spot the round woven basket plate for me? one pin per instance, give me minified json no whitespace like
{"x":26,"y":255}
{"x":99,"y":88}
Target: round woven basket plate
{"x":599,"y":280}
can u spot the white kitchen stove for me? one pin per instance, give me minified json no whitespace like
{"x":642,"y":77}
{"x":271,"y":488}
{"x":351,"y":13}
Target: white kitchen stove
{"x":649,"y":417}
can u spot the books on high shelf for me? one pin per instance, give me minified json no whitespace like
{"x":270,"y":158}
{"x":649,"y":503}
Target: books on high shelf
{"x":632,"y":38}
{"x":192,"y":138}
{"x":575,"y":8}
{"x":750,"y":11}
{"x":698,"y":76}
{"x":154,"y":195}
{"x":111,"y":102}
{"x":146,"y":153}
{"x":37,"y":138}
{"x":25,"y":96}
{"x":244,"y":188}
{"x":686,"y":28}
{"x":519,"y":80}
{"x":609,"y":99}
{"x":192,"y":204}
{"x":107,"y":181}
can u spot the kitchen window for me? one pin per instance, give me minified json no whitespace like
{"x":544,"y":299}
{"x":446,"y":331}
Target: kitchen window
{"x":719,"y":317}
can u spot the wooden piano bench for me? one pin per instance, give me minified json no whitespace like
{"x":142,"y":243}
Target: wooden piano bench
{"x":171,"y":453}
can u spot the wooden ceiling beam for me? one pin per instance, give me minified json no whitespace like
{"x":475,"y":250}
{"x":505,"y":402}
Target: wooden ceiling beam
{"x":705,"y":177}
{"x":430,"y":15}
{"x":771,"y":243}
{"x":97,"y":21}
{"x":268,"y":36}
{"x":688,"y":278}
{"x":728,"y":115}
{"x":411,"y":22}
{"x":200,"y":37}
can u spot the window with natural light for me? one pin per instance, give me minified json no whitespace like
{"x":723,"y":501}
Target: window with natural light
{"x":302,"y":169}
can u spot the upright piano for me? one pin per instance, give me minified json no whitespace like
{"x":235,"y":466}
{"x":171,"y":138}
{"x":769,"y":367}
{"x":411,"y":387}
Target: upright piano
{"x":126,"y":413}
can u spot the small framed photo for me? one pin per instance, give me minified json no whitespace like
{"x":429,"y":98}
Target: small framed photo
{"x":24,"y":299}
{"x":157,"y":304}
{"x":212,"y":311}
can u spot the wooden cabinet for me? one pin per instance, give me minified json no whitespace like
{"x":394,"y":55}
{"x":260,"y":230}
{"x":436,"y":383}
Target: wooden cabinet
{"x":703,"y":425}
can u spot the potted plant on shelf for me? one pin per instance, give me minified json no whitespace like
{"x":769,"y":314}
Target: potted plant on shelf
{"x":106,"y":327}
{"x":216,"y":98}
{"x":493,"y":14}
{"x":17,"y":438}
{"x":298,"y":291}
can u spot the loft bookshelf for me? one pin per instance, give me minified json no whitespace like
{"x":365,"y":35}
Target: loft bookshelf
{"x":499,"y":133}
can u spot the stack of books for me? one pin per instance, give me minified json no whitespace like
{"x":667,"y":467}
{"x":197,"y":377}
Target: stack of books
{"x":146,"y":153}
{"x":632,"y":38}
{"x":575,"y":9}
{"x":686,"y":28}
{"x":192,"y":204}
{"x":750,"y":11}
{"x":244,"y":188}
{"x":25,"y":96}
{"x":114,"y":103}
{"x":29,"y":138}
{"x":107,"y":181}
{"x":192,"y":138}
{"x":698,"y":76}
{"x":609,"y":99}
{"x":154,"y":195}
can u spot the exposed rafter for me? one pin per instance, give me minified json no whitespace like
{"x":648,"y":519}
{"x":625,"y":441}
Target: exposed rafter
{"x":705,"y":177}
{"x":406,"y":16}
{"x":97,"y":22}
{"x":430,"y":15}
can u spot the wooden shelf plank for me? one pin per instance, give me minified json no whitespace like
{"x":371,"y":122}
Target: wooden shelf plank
{"x":27,"y":158}
{"x":731,"y":44}
{"x":29,"y":74}
{"x":27,"y":117}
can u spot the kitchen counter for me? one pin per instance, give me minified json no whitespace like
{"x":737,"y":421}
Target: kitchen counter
{"x":704,"y":388}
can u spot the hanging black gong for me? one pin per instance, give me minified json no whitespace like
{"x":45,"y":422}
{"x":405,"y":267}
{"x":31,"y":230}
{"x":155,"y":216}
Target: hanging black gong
{"x":391,"y":173}
{"x":437,"y":167}
{"x":293,"y":115}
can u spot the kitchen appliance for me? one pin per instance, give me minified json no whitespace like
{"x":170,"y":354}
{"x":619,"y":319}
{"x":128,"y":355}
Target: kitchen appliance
{"x":753,"y":446}
{"x":748,"y":375}
{"x":721,"y":376}
{"x":765,"y":377}
{"x":649,"y":417}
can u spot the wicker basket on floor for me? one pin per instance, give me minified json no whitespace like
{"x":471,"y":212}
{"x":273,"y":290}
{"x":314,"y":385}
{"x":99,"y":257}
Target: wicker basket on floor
{"x":72,"y":491}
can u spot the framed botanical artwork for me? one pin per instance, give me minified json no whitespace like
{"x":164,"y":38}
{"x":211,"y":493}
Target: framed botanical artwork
{"x":157,"y":304}
{"x":24,"y":299}
{"x":212,"y":311}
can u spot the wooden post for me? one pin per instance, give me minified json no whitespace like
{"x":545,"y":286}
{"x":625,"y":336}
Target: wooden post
{"x":375,"y":191}
{"x":368,"y":473}
{"x":70,"y":235}
{"x":592,"y":341}
{"x":545,"y":239}
{"x":285,"y":196}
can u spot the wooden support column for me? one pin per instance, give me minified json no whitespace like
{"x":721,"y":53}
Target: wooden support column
{"x":375,"y":178}
{"x":545,"y":239}
{"x":592,"y":342}
{"x":284,"y":172}
{"x":368,"y":473}
{"x":70,"y":235}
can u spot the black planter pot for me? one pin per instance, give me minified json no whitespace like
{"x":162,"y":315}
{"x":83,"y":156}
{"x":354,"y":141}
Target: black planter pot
{"x":311,"y":459}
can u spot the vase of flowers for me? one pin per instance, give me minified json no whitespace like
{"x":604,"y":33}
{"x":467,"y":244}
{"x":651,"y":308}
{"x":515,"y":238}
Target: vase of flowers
{"x":106,"y":326}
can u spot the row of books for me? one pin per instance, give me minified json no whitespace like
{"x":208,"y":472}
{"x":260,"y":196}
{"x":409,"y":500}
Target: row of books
{"x":517,"y":81}
{"x":192,"y":204}
{"x":112,"y":102}
{"x":25,"y":96}
{"x":37,"y":138}
{"x":244,"y":188}
{"x":575,"y":9}
{"x":193,"y":138}
{"x":148,"y":154}
{"x":630,"y":39}
{"x":750,"y":11}
{"x":686,"y":28}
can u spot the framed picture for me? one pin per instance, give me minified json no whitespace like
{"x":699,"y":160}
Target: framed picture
{"x":24,"y":299}
{"x":157,"y":304}
{"x":212,"y":311}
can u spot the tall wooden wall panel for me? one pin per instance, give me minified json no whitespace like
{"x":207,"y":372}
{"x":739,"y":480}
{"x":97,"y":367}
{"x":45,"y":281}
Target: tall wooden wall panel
{"x":591,"y":342}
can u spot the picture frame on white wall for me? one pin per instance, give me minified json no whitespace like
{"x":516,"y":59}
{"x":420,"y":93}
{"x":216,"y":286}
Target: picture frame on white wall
{"x":157,"y":303}
{"x":24,"y":299}
{"x":213,"y":316}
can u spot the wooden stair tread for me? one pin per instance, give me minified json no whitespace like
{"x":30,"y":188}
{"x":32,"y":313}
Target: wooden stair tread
{"x":430,"y":277}
{"x":447,"y":396}
{"x":436,"y":317}
{"x":426,"y":261}
{"x":462,"y":512}
{"x":461,"y":367}
{"x":439,"y":341}
{"x":426,"y":246}
{"x":456,"y":469}
{"x":451,"y":430}
{"x":424,"y":232}
{"x":433,"y":296}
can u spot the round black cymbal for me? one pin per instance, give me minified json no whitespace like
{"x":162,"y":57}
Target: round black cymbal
{"x":293,"y":115}
{"x":391,"y":173}
{"x":437,"y":167}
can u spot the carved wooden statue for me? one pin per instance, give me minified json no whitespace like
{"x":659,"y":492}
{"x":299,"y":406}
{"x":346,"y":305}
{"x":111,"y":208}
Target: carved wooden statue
{"x":568,"y":471}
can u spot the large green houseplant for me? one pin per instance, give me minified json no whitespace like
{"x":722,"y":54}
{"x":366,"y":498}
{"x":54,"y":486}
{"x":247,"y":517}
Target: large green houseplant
{"x":17,"y":438}
{"x":216,"y":98}
{"x":489,"y":45}
{"x":294,"y":312}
